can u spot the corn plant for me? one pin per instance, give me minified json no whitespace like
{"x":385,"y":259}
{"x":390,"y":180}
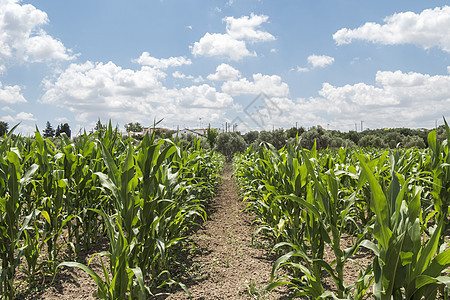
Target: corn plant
{"x":121,"y":282}
{"x":404,"y":266}
{"x":13,"y":181}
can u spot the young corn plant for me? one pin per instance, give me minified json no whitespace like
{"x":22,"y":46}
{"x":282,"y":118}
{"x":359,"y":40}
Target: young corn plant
{"x":404,"y":265}
{"x":125,"y":282}
{"x":13,"y":181}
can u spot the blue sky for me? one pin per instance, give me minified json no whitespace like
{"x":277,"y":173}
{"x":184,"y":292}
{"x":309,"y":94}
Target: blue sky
{"x":258,"y":64}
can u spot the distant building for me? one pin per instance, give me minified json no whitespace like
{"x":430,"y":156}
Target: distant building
{"x":196,"y":132}
{"x":149,"y":130}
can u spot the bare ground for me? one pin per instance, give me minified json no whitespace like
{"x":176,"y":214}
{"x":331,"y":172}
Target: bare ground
{"x":216,"y":262}
{"x":224,"y":264}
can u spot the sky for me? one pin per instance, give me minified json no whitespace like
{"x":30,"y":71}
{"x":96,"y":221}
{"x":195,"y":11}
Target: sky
{"x":255,"y":64}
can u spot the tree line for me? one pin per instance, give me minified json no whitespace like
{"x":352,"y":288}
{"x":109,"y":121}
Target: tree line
{"x":232,"y":142}
{"x":49,"y":131}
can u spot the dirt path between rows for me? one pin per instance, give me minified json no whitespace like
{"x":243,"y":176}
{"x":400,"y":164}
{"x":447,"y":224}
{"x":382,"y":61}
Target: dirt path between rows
{"x":225,"y":265}
{"x":218,"y":261}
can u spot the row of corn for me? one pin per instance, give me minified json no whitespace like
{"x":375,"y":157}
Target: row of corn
{"x":58,"y":200}
{"x":392,"y":205}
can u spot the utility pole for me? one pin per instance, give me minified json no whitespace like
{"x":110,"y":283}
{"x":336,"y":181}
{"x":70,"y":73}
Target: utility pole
{"x":296,"y":125}
{"x":356,"y":127}
{"x":362,"y":125}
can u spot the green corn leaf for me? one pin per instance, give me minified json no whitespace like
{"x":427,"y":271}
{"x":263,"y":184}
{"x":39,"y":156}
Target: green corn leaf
{"x":428,"y":252}
{"x":90,"y":272}
{"x":379,"y":205}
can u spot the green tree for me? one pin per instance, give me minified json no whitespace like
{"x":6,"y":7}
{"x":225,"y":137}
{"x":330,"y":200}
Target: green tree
{"x":251,"y":136}
{"x":211,"y":136}
{"x":392,"y":139}
{"x":66,"y":129}
{"x":134,"y":127}
{"x":3,"y":128}
{"x":49,"y":131}
{"x":372,"y":140}
{"x":317,"y":134}
{"x":352,"y":135}
{"x":277,"y":138}
{"x":294,"y":131}
{"x":63,"y":128}
{"x":229,"y":143}
{"x":413,"y":141}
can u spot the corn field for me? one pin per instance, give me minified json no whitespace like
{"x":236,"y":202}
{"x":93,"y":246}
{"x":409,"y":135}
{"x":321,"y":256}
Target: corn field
{"x":58,"y":200}
{"x":393,"y":203}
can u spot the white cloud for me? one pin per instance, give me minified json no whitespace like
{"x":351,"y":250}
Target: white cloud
{"x":399,"y":99}
{"x":218,"y":44}
{"x":24,"y":116}
{"x":11,"y":94}
{"x":62,"y":120}
{"x":224,"y":72}
{"x":179,"y":75}
{"x":92,"y":90}
{"x":22,"y":37}
{"x":162,"y":63}
{"x":430,"y":28}
{"x":8,"y":109}
{"x":233,"y":44}
{"x":272,"y":86}
{"x":8,"y":119}
{"x":302,"y":69}
{"x":204,"y":96}
{"x":245,"y":28}
{"x":320,"y":60}
{"x":448,"y":69}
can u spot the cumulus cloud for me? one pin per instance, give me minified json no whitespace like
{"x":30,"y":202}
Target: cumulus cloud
{"x":398,"y":99}
{"x":320,"y":60}
{"x":245,"y":28}
{"x":62,"y":120}
{"x":8,"y":109}
{"x":179,"y":75}
{"x":302,"y":69}
{"x":203,"y":96}
{"x":162,"y":63}
{"x":271,"y":85}
{"x":316,"y":61}
{"x":233,"y":44}
{"x":11,"y":94}
{"x":218,"y":44}
{"x":22,"y":37}
{"x":224,"y":72}
{"x":22,"y":116}
{"x":92,"y":90}
{"x":430,"y":28}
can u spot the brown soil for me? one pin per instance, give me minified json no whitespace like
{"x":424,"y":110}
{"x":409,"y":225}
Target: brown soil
{"x":224,"y":264}
{"x":217,"y":261}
